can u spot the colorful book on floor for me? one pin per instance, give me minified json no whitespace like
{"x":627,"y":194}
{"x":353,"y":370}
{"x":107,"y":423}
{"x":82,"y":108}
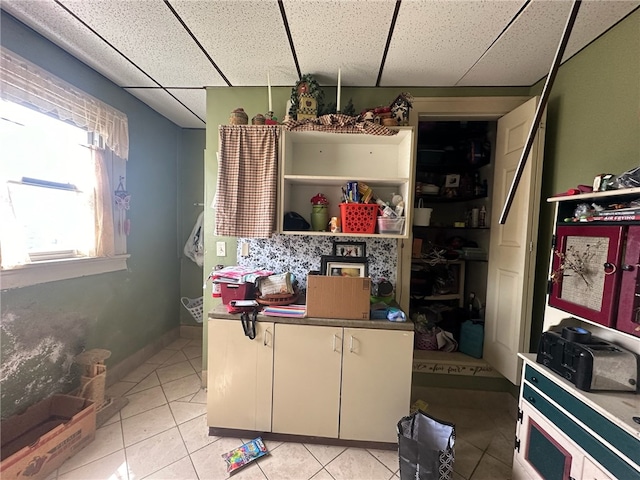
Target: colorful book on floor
{"x":247,"y":453}
{"x":296,"y":311}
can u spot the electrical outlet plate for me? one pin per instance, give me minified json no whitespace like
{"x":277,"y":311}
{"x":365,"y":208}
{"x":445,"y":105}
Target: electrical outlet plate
{"x":221,"y":249}
{"x":244,"y":249}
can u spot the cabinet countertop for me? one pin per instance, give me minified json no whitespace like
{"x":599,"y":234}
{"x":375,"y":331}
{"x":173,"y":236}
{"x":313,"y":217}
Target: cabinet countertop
{"x":618,"y":407}
{"x":220,"y":312}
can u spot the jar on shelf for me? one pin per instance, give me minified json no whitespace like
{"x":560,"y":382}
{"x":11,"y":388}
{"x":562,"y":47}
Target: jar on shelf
{"x":319,"y":213}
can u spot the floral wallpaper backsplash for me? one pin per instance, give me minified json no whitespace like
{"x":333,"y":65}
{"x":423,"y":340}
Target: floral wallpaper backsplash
{"x":300,"y":254}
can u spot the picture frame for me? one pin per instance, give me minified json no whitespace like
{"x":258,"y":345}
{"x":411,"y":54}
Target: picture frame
{"x":452,"y":180}
{"x":332,"y":266}
{"x":350,"y":249}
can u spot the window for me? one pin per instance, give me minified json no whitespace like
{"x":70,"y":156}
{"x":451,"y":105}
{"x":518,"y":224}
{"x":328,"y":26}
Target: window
{"x":49,"y":172}
{"x":58,"y":187}
{"x":49,"y":179}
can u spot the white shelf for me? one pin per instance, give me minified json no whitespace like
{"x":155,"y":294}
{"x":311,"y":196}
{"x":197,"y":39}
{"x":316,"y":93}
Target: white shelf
{"x":323,"y":162}
{"x":596,"y":195}
{"x":341,"y":181}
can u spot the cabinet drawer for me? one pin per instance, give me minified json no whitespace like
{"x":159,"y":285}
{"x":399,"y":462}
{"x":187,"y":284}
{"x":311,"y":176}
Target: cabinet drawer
{"x":618,"y":438}
{"x":583,"y":438}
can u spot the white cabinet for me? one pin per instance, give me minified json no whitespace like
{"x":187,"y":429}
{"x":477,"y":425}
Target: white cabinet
{"x":320,"y":162}
{"x":239,"y":383}
{"x":347,"y":383}
{"x":306,"y":380}
{"x":376,"y":383}
{"x":565,"y":433}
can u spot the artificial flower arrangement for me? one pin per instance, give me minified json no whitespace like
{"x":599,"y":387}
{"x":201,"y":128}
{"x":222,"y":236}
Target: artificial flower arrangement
{"x":319,"y":199}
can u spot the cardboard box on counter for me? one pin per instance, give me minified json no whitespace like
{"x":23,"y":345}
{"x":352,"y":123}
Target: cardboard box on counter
{"x":338,"y":297}
{"x":39,"y":440}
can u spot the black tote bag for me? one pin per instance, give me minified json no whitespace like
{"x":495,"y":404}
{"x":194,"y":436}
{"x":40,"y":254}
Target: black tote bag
{"x":426,"y":447}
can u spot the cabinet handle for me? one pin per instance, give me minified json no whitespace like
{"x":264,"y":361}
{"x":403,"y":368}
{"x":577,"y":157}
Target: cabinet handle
{"x":265,"y":337}
{"x":351,"y":344}
{"x":534,"y":379}
{"x":627,"y":268}
{"x":335,"y":337}
{"x":609,"y":268}
{"x":531,"y":399}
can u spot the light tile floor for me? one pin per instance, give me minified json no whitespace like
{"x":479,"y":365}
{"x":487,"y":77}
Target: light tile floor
{"x":162,"y":434}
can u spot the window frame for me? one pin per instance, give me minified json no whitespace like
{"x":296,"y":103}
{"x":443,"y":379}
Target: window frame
{"x":52,"y":269}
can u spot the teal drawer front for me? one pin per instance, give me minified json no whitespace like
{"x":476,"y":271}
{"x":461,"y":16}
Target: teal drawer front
{"x":605,"y":457}
{"x":621,"y":440}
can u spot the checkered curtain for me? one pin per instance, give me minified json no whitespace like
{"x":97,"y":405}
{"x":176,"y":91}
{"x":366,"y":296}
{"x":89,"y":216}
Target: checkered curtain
{"x":245,"y":200}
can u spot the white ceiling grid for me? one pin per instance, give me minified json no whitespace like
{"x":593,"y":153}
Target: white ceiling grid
{"x":435,"y":43}
{"x":440,"y":43}
{"x":164,"y":104}
{"x":529,"y":45}
{"x":244,"y":46}
{"x":147,"y":33}
{"x":56,"y":24}
{"x":336,"y":34}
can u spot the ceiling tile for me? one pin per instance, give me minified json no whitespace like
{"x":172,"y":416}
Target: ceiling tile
{"x":331,"y":34}
{"x":525,"y":52}
{"x":150,"y":36}
{"x":594,"y":18}
{"x":167,"y":106}
{"x":245,"y":38}
{"x":195,"y":100}
{"x":436,"y":42}
{"x":55,"y":23}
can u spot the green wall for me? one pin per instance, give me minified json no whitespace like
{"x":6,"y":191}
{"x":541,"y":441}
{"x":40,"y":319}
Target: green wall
{"x":44,"y":326}
{"x":593,"y":127}
{"x":190,"y":192}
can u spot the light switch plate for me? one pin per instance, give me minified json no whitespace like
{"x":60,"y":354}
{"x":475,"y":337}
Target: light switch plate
{"x":221,"y":249}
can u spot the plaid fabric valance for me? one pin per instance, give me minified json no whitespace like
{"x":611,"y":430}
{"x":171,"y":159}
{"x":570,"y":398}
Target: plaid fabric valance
{"x":338,"y":123}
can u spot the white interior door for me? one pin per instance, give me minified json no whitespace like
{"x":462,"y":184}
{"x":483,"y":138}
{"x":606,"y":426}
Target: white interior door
{"x":512,"y":247}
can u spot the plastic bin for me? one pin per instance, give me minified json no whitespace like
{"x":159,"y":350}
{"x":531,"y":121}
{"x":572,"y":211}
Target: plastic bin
{"x":472,"y":338}
{"x":358,"y":217}
{"x":390,"y":225}
{"x":236,"y":291}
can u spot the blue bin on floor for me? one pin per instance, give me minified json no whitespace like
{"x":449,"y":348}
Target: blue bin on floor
{"x":472,"y":337}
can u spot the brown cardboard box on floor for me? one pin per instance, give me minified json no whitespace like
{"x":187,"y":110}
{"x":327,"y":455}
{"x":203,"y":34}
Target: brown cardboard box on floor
{"x":338,"y":297}
{"x":39,"y":440}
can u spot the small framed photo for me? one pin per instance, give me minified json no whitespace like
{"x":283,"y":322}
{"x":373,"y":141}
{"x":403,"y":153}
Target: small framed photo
{"x":336,"y":266}
{"x":452,"y":180}
{"x":349,"y":249}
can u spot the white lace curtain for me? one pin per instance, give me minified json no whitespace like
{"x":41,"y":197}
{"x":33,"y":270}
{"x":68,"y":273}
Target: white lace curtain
{"x":23,"y":82}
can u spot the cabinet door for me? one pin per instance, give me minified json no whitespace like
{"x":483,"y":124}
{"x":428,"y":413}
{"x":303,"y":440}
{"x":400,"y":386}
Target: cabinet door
{"x":306,"y":380}
{"x":376,"y":383}
{"x":544,"y":451}
{"x":239,"y":376}
{"x":586,"y":273}
{"x":629,"y":308}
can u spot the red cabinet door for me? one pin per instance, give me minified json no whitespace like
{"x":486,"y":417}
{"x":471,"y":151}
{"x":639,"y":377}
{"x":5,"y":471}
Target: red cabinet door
{"x":586,"y":271}
{"x":629,"y":308}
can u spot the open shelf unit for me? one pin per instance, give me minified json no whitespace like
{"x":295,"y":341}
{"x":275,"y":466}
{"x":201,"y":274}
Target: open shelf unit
{"x":321,"y":162}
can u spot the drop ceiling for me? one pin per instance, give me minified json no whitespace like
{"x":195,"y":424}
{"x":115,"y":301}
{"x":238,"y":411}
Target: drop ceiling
{"x":165,"y":52}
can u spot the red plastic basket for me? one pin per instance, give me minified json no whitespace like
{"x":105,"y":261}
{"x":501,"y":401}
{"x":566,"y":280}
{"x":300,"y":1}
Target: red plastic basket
{"x":358,"y":217}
